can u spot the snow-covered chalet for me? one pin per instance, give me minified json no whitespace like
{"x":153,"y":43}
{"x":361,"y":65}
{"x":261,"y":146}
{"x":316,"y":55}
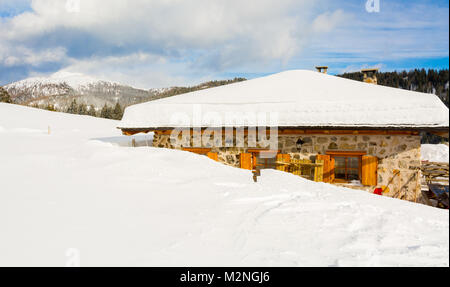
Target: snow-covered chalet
{"x":356,"y":134}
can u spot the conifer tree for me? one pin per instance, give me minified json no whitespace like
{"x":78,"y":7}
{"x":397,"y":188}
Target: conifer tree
{"x":82,"y":109}
{"x":117,"y":112}
{"x":50,"y":107}
{"x":4,"y":96}
{"x":72,"y":108}
{"x":106,"y":112}
{"x":92,"y":112}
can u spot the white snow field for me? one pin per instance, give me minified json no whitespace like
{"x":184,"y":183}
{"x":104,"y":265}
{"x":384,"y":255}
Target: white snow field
{"x":75,"y":197}
{"x":435,"y":152}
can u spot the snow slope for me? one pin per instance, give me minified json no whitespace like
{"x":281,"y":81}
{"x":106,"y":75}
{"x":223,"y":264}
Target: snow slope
{"x":299,"y":98}
{"x":74,"y":195}
{"x":435,"y":152}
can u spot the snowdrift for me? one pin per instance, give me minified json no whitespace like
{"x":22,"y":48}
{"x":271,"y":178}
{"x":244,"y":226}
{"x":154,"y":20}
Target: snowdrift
{"x":435,"y":152}
{"x":69,"y":198}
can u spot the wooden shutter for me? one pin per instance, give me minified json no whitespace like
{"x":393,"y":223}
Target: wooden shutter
{"x":213,"y":156}
{"x":369,"y":170}
{"x":328,"y":167}
{"x":246,"y":161}
{"x":285,"y":158}
{"x":331,"y":170}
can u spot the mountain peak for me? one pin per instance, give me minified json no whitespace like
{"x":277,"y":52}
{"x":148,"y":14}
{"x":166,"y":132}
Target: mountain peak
{"x":61,"y":88}
{"x":74,"y":80}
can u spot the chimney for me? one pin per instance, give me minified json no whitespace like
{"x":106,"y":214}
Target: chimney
{"x":322,"y":69}
{"x":370,"y":76}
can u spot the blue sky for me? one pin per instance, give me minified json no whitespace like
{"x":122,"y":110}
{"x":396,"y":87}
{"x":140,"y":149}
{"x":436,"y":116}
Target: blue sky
{"x":161,"y":43}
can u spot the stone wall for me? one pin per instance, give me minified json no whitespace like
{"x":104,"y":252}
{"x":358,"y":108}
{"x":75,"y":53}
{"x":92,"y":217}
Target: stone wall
{"x":395,"y":152}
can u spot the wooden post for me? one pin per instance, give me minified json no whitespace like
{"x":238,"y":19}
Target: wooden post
{"x":133,"y":142}
{"x":256,"y":172}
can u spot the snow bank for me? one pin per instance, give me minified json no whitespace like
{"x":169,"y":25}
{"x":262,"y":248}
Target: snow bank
{"x":69,"y":195}
{"x":300,"y":98}
{"x":435,"y":152}
{"x":20,"y":118}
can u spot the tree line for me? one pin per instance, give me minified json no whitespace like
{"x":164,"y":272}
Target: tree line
{"x":211,"y":84}
{"x":4,"y":96}
{"x":107,"y":112}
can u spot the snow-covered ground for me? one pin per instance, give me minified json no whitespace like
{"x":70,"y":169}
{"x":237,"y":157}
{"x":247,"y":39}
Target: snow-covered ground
{"x":76,"y":196}
{"x":435,"y":152}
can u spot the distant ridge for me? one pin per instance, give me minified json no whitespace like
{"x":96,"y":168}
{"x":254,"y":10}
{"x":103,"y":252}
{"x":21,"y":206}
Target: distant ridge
{"x":59,"y":90}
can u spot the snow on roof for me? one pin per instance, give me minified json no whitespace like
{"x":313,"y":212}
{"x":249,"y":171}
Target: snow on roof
{"x":301,"y":99}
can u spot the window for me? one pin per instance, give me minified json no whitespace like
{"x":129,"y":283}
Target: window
{"x":266,"y":163}
{"x":347,"y":168}
{"x":263,"y":158}
{"x":347,"y":165}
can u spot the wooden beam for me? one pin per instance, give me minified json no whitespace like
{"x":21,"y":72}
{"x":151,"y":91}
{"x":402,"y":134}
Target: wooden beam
{"x":319,"y":132}
{"x":443,"y":134}
{"x":198,"y":150}
{"x":261,"y":150}
{"x":293,"y":131}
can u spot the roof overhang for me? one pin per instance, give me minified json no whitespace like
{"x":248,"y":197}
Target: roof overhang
{"x":441,"y":131}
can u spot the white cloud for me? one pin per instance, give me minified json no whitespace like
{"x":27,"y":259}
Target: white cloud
{"x":172,"y":23}
{"x":139,"y":70}
{"x":21,"y":55}
{"x":175,"y":42}
{"x":327,"y":21}
{"x":203,"y":35}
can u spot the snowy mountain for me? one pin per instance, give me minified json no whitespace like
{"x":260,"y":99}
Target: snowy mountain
{"x":61,"y":88}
